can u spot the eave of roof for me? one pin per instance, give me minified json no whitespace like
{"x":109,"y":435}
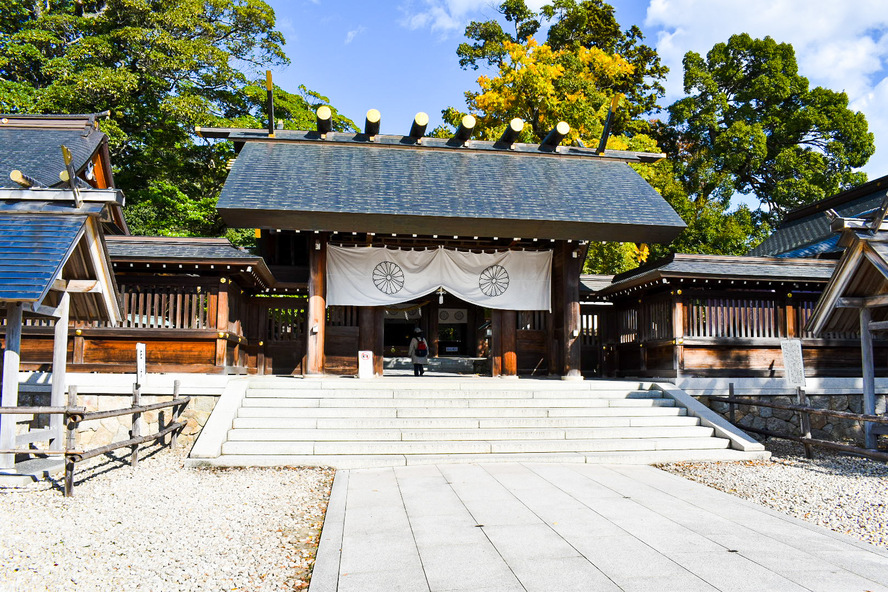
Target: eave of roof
{"x":722,"y":267}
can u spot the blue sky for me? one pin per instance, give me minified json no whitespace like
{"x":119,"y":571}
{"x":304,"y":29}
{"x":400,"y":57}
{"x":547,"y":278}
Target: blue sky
{"x":399,"y":56}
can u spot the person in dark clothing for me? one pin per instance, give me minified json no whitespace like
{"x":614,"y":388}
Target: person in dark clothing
{"x":418,"y":352}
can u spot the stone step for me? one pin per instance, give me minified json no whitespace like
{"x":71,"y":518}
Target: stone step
{"x":477,"y":412}
{"x":447,"y":435}
{"x":470,"y":446}
{"x":454,"y":402}
{"x":357,"y":461}
{"x":278,"y":422}
{"x":438,"y":393}
{"x":449,"y":384}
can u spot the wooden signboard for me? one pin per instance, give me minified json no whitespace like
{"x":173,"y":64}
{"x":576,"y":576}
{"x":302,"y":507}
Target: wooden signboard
{"x":793,"y":363}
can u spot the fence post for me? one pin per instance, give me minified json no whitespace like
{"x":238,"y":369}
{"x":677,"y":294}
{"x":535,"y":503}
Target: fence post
{"x":71,"y":429}
{"x":731,"y":406}
{"x":804,"y":421}
{"x":136,"y":430}
{"x":174,"y":415}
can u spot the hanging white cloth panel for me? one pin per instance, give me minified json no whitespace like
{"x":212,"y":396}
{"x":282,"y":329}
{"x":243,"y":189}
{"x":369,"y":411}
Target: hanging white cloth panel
{"x":374,"y":276}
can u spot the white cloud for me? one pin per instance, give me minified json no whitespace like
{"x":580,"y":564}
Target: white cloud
{"x":839,"y":45}
{"x":452,"y":16}
{"x":350,"y":36}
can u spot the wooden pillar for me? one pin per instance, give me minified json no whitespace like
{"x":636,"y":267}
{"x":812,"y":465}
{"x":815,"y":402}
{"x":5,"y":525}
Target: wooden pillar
{"x":379,"y":344}
{"x":570,"y":313}
{"x":222,"y":323}
{"x":509,"y":328}
{"x":9,"y":397}
{"x":316,"y":324}
{"x":496,"y":342}
{"x":869,"y":375}
{"x":790,"y":317}
{"x":554,"y":328}
{"x":59,"y":367}
{"x":432,"y":335}
{"x":677,"y":333}
{"x":369,"y":333}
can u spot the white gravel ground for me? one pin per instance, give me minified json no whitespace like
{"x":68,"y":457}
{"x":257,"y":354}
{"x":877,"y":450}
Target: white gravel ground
{"x":164,"y":528}
{"x":846,"y":494}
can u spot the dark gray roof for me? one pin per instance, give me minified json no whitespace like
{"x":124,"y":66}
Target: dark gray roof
{"x":806,"y":231}
{"x":33,"y":248}
{"x":37,"y":151}
{"x":192,"y":249}
{"x":590,"y":283}
{"x":766,"y":269}
{"x":393,"y":189}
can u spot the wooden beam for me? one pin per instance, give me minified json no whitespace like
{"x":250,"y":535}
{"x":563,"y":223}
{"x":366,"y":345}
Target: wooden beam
{"x":868,"y":301}
{"x":869,"y":375}
{"x":878,"y":326}
{"x":77,"y":286}
{"x":9,"y":396}
{"x":59,"y":370}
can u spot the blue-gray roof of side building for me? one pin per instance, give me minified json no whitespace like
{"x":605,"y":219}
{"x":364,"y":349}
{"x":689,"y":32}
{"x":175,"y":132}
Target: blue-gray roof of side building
{"x":725,"y":267}
{"x":806,"y":232}
{"x":138,"y":247}
{"x":374,"y":188}
{"x":37,"y":152}
{"x":33,"y":248}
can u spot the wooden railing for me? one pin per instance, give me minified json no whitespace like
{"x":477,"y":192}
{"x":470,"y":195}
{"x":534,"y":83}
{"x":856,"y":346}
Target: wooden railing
{"x":75,"y":415}
{"x":165,"y":307}
{"x":733,"y":317}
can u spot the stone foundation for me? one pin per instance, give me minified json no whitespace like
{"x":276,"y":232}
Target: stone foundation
{"x":787,"y":422}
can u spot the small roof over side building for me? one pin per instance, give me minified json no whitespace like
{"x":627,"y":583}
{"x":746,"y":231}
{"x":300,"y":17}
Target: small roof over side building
{"x":749,"y":271}
{"x":189,"y":254}
{"x":32,"y":146}
{"x":806,"y":232}
{"x":49,"y":245}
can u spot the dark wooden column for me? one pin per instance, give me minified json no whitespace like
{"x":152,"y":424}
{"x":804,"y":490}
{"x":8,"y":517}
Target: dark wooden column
{"x":869,"y":376}
{"x":370,"y":321}
{"x":567,"y":314}
{"x":379,"y":345}
{"x":496,"y":342}
{"x":316,"y":321}
{"x":509,"y":332}
{"x":222,"y":323}
{"x":554,"y":329}
{"x":677,"y":333}
{"x":432,"y":336}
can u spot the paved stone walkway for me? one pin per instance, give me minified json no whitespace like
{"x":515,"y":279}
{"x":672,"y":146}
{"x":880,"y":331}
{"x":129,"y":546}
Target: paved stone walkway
{"x":563,"y":528}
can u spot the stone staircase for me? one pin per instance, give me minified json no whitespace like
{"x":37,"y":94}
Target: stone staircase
{"x":347,"y":423}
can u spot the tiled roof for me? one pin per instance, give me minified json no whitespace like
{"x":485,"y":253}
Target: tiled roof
{"x":807,"y":227}
{"x":192,"y":249}
{"x":371,"y":188}
{"x":37,"y":151}
{"x":727,"y":268}
{"x":33,"y":249}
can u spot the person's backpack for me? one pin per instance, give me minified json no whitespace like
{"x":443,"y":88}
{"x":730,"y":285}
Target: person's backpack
{"x":422,"y":349}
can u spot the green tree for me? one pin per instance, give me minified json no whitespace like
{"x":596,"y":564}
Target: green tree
{"x":161,"y":67}
{"x":575,"y":24}
{"x":751,"y":125}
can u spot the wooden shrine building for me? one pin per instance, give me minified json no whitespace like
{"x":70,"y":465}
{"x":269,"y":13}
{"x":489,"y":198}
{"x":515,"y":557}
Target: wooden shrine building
{"x":56,"y":203}
{"x":855,"y":302}
{"x":431,"y":223}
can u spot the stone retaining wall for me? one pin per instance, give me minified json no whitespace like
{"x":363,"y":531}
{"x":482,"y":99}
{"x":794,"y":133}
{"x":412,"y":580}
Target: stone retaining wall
{"x":787,"y":422}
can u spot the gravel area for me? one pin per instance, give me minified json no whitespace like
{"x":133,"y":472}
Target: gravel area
{"x":843,"y":493}
{"x":164,"y":528}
